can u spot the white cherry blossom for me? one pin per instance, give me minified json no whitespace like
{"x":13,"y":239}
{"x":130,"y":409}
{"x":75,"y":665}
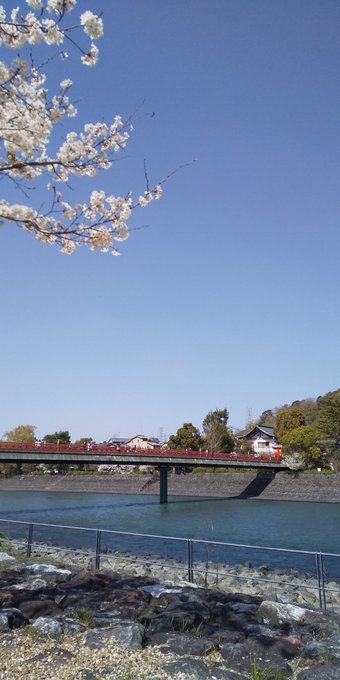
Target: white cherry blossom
{"x":93,"y":25}
{"x":29,"y":151}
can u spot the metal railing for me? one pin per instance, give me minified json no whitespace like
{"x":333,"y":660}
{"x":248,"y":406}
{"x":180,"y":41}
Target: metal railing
{"x":191,"y":544}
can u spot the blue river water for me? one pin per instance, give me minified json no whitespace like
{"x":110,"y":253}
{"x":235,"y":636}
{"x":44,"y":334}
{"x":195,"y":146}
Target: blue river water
{"x":281,"y":524}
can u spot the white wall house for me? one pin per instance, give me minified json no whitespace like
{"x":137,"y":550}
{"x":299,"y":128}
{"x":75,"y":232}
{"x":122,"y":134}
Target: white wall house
{"x":140,"y":441}
{"x":262,"y":440}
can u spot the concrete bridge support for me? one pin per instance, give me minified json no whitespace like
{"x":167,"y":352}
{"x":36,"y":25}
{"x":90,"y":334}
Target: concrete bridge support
{"x":163,"y":483}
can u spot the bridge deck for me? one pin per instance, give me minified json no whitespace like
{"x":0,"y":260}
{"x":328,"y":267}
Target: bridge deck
{"x":28,"y":452}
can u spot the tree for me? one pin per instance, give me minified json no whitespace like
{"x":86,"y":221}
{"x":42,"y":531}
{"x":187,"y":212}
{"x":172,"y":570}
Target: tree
{"x":30,"y":153}
{"x":287,"y":418}
{"x":328,"y":422}
{"x":83,"y":441}
{"x":267,"y":418}
{"x":216,"y":433}
{"x":243,"y":447}
{"x":186,"y":437}
{"x":63,"y":437}
{"x":304,"y":441}
{"x":309,"y":408}
{"x":21,"y":433}
{"x":294,"y":461}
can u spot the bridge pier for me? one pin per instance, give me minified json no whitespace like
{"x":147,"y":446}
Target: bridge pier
{"x":163,"y":483}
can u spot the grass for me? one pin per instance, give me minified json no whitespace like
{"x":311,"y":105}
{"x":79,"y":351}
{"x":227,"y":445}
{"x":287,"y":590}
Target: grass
{"x":265,"y":674}
{"x":187,"y":626}
{"x":30,"y":632}
{"x":82,"y":615}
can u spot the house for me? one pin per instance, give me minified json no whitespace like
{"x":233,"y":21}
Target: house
{"x":117,"y":441}
{"x":140,"y":441}
{"x":262,"y":440}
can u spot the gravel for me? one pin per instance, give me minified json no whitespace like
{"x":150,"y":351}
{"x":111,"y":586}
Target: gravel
{"x":24,"y":656}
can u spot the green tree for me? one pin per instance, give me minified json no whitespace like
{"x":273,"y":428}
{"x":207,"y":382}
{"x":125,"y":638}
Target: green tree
{"x":63,"y":437}
{"x":287,"y":419}
{"x":305,"y":441}
{"x":21,"y":433}
{"x":83,"y":441}
{"x":328,"y":422}
{"x":186,"y":437}
{"x":309,"y":408}
{"x":9,"y":469}
{"x":217,"y":436}
{"x":267,"y":418}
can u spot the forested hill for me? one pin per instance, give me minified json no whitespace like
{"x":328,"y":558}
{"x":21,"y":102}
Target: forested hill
{"x":309,"y":428}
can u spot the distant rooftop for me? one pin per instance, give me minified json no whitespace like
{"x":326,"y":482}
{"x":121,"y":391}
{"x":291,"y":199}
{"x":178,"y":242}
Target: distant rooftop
{"x":260,"y":429}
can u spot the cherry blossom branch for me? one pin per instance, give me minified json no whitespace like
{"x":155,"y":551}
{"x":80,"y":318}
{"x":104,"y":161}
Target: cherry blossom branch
{"x":28,"y":122}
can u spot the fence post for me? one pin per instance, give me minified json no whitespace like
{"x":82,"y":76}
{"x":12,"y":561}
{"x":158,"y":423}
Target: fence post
{"x":321,"y":580}
{"x":98,"y":545}
{"x":29,"y":540}
{"x":190,"y":562}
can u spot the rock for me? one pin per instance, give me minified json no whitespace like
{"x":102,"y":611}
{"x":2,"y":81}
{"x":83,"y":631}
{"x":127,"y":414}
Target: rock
{"x":283,"y":597}
{"x":6,"y":598}
{"x":223,"y":615}
{"x":104,"y":619}
{"x":234,"y":653}
{"x":133,"y":598}
{"x":71,"y":627}
{"x":333,"y":647}
{"x":5,"y":557}
{"x":4,"y":623}
{"x":182,"y":643}
{"x":85,"y":674}
{"x":219,"y":597}
{"x":46,"y":626}
{"x":321,"y":624}
{"x":195,"y":669}
{"x":133,"y":610}
{"x":182,"y":609}
{"x":326,"y":672}
{"x":260,"y":631}
{"x":95,"y":640}
{"x":241,"y":607}
{"x":65,"y":654}
{"x":276,"y":613}
{"x":33,"y":584}
{"x":34,"y":608}
{"x":241,"y":657}
{"x":169,"y":621}
{"x":15,"y":617}
{"x":158,"y":589}
{"x":128,"y":635}
{"x":221,"y":635}
{"x":50,"y":572}
{"x":314,"y":650}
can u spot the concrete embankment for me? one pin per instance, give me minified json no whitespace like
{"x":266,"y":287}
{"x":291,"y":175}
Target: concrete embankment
{"x":282,"y":486}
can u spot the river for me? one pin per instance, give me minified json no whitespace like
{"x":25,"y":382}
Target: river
{"x":281,"y":524}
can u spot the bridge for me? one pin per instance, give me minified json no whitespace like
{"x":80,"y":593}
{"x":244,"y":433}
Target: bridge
{"x":162,"y":459}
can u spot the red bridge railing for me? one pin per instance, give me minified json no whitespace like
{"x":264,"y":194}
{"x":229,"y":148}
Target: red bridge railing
{"x":38,"y":447}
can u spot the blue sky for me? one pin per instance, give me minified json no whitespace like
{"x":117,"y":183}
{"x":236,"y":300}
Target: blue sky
{"x":229,"y":296}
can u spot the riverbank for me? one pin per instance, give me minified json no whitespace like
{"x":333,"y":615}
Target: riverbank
{"x":283,"y":486}
{"x":68,"y":621}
